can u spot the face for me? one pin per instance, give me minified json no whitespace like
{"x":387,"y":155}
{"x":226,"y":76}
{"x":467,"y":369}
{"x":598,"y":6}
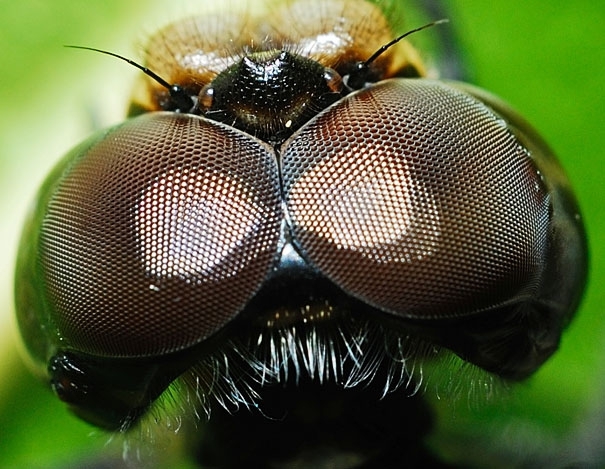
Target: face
{"x":296,"y":225}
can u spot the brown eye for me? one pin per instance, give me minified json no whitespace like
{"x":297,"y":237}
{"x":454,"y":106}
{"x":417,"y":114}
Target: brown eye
{"x":418,"y":199}
{"x":156,"y":234}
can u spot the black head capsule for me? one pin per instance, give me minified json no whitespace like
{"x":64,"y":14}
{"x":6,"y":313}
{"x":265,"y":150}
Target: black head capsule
{"x":261,"y":229}
{"x":270,"y":94}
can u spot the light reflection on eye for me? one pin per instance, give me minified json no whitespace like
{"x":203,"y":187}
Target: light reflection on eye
{"x":375,"y":203}
{"x":184,"y":212}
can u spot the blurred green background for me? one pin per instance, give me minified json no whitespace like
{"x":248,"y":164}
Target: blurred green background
{"x":545,"y":58}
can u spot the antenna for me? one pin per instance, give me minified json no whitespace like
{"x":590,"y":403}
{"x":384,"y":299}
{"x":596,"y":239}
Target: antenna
{"x":181,"y":100}
{"x":384,"y":48}
{"x":362,"y":68}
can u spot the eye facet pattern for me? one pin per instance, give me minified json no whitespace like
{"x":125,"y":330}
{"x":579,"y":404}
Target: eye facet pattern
{"x":159,"y":235}
{"x":417,"y":199}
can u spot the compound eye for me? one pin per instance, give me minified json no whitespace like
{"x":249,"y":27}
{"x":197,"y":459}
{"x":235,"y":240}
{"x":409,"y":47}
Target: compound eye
{"x":418,"y":199}
{"x":151,"y":236}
